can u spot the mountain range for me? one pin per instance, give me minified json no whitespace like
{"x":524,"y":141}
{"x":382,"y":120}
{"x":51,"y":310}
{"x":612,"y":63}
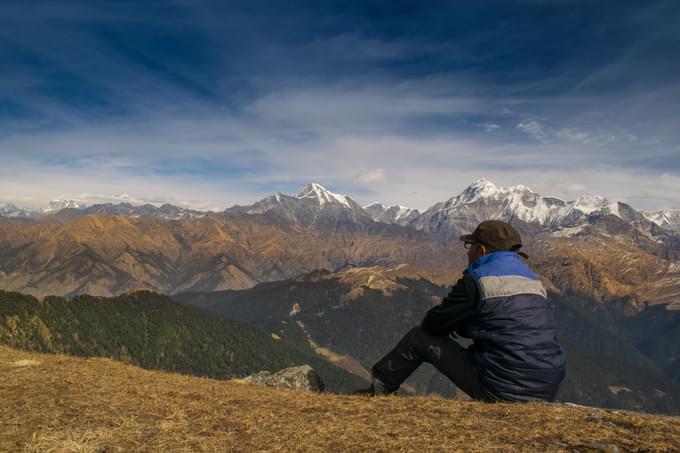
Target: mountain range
{"x":108,"y":249}
{"x":54,"y":206}
{"x":65,"y":209}
{"x":480,"y":201}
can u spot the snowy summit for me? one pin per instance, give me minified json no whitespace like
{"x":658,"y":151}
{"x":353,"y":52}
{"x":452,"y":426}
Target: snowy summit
{"x":322,"y":195}
{"x":485,"y":200}
{"x":398,"y":214}
{"x":59,"y":204}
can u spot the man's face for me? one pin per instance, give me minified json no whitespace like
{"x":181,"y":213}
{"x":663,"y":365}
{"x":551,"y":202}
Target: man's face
{"x":475,"y":250}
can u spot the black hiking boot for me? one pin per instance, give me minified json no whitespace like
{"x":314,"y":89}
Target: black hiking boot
{"x":376,"y":388}
{"x":368,"y":391}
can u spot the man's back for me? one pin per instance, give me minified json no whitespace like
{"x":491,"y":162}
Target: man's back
{"x":515,"y":337}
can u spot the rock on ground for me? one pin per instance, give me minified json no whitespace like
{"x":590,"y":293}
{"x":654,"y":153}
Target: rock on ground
{"x":300,"y":377}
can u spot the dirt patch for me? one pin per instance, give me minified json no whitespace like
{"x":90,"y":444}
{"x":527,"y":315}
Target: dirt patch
{"x":26,"y":362}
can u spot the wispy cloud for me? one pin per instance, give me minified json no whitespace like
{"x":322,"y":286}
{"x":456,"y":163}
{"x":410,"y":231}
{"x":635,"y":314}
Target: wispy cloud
{"x":535,"y":129}
{"x":544,"y":133}
{"x":373,"y":176}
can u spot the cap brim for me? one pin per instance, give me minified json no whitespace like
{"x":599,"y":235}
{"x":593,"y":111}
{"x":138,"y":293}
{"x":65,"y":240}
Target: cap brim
{"x":467,"y":238}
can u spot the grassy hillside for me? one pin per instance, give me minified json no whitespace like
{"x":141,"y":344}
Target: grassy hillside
{"x":150,"y":330}
{"x":62,"y":403}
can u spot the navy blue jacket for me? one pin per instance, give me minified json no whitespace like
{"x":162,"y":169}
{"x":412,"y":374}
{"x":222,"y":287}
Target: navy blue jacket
{"x":501,"y":305}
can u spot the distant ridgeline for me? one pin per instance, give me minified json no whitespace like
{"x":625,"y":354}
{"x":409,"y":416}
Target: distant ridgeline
{"x":150,"y":330}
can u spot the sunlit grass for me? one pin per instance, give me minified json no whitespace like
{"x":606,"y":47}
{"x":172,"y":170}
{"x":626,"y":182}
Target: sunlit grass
{"x":61,"y":403}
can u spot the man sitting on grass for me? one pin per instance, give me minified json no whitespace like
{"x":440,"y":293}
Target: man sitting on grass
{"x":501,"y":305}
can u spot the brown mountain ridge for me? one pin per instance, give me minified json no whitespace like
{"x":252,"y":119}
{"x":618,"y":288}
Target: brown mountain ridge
{"x":106,"y":255}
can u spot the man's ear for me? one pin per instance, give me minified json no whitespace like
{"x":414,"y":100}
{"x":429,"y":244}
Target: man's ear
{"x":483,"y":249}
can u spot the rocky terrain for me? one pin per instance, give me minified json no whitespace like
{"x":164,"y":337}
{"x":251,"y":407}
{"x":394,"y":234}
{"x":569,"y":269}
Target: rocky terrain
{"x":61,"y":403}
{"x":301,"y":377}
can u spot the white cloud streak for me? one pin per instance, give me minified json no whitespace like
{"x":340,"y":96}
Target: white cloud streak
{"x":534,"y":129}
{"x":350,"y":141}
{"x":374,"y":176}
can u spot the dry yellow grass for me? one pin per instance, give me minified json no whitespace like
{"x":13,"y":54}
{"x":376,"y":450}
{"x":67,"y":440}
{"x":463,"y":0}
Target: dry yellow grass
{"x":57,"y":403}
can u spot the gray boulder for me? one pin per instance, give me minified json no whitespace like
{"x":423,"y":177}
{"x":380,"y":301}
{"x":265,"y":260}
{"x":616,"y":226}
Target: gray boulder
{"x":300,"y":377}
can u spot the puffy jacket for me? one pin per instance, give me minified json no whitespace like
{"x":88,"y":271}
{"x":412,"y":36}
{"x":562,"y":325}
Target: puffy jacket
{"x":515,"y":337}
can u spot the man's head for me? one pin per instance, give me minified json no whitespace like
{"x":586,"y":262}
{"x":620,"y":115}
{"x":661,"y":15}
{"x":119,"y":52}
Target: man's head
{"x":492,"y":236}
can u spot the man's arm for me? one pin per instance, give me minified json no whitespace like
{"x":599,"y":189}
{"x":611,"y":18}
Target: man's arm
{"x":455,"y":309}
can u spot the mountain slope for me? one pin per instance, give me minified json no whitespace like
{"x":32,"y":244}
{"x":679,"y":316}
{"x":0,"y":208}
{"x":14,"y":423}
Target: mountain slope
{"x":61,"y":403}
{"x":150,"y":330}
{"x":656,"y":332}
{"x":105,"y":255}
{"x":609,"y":268}
{"x":666,"y":218}
{"x":355,"y":315}
{"x":361,"y":313}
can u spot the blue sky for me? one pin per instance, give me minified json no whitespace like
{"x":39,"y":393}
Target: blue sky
{"x":210,"y":104}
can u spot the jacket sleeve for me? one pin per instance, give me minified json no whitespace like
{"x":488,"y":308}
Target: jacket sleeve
{"x":455,"y":310}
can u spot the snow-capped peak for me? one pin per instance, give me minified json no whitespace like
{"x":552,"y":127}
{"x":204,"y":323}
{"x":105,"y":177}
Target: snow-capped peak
{"x":12,"y":210}
{"x":403,"y":212}
{"x":666,"y":218}
{"x":484,"y":189}
{"x":484,"y":200}
{"x":481,"y":188}
{"x":9,"y":207}
{"x":59,"y":204}
{"x":398,"y":214}
{"x":614,"y":209}
{"x":591,"y":203}
{"x":376,"y":205}
{"x":520,"y":188}
{"x":322,"y":195}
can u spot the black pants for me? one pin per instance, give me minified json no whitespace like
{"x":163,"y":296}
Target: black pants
{"x":450,"y":358}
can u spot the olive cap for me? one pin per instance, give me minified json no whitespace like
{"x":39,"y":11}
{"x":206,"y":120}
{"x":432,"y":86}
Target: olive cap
{"x":497,"y":236}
